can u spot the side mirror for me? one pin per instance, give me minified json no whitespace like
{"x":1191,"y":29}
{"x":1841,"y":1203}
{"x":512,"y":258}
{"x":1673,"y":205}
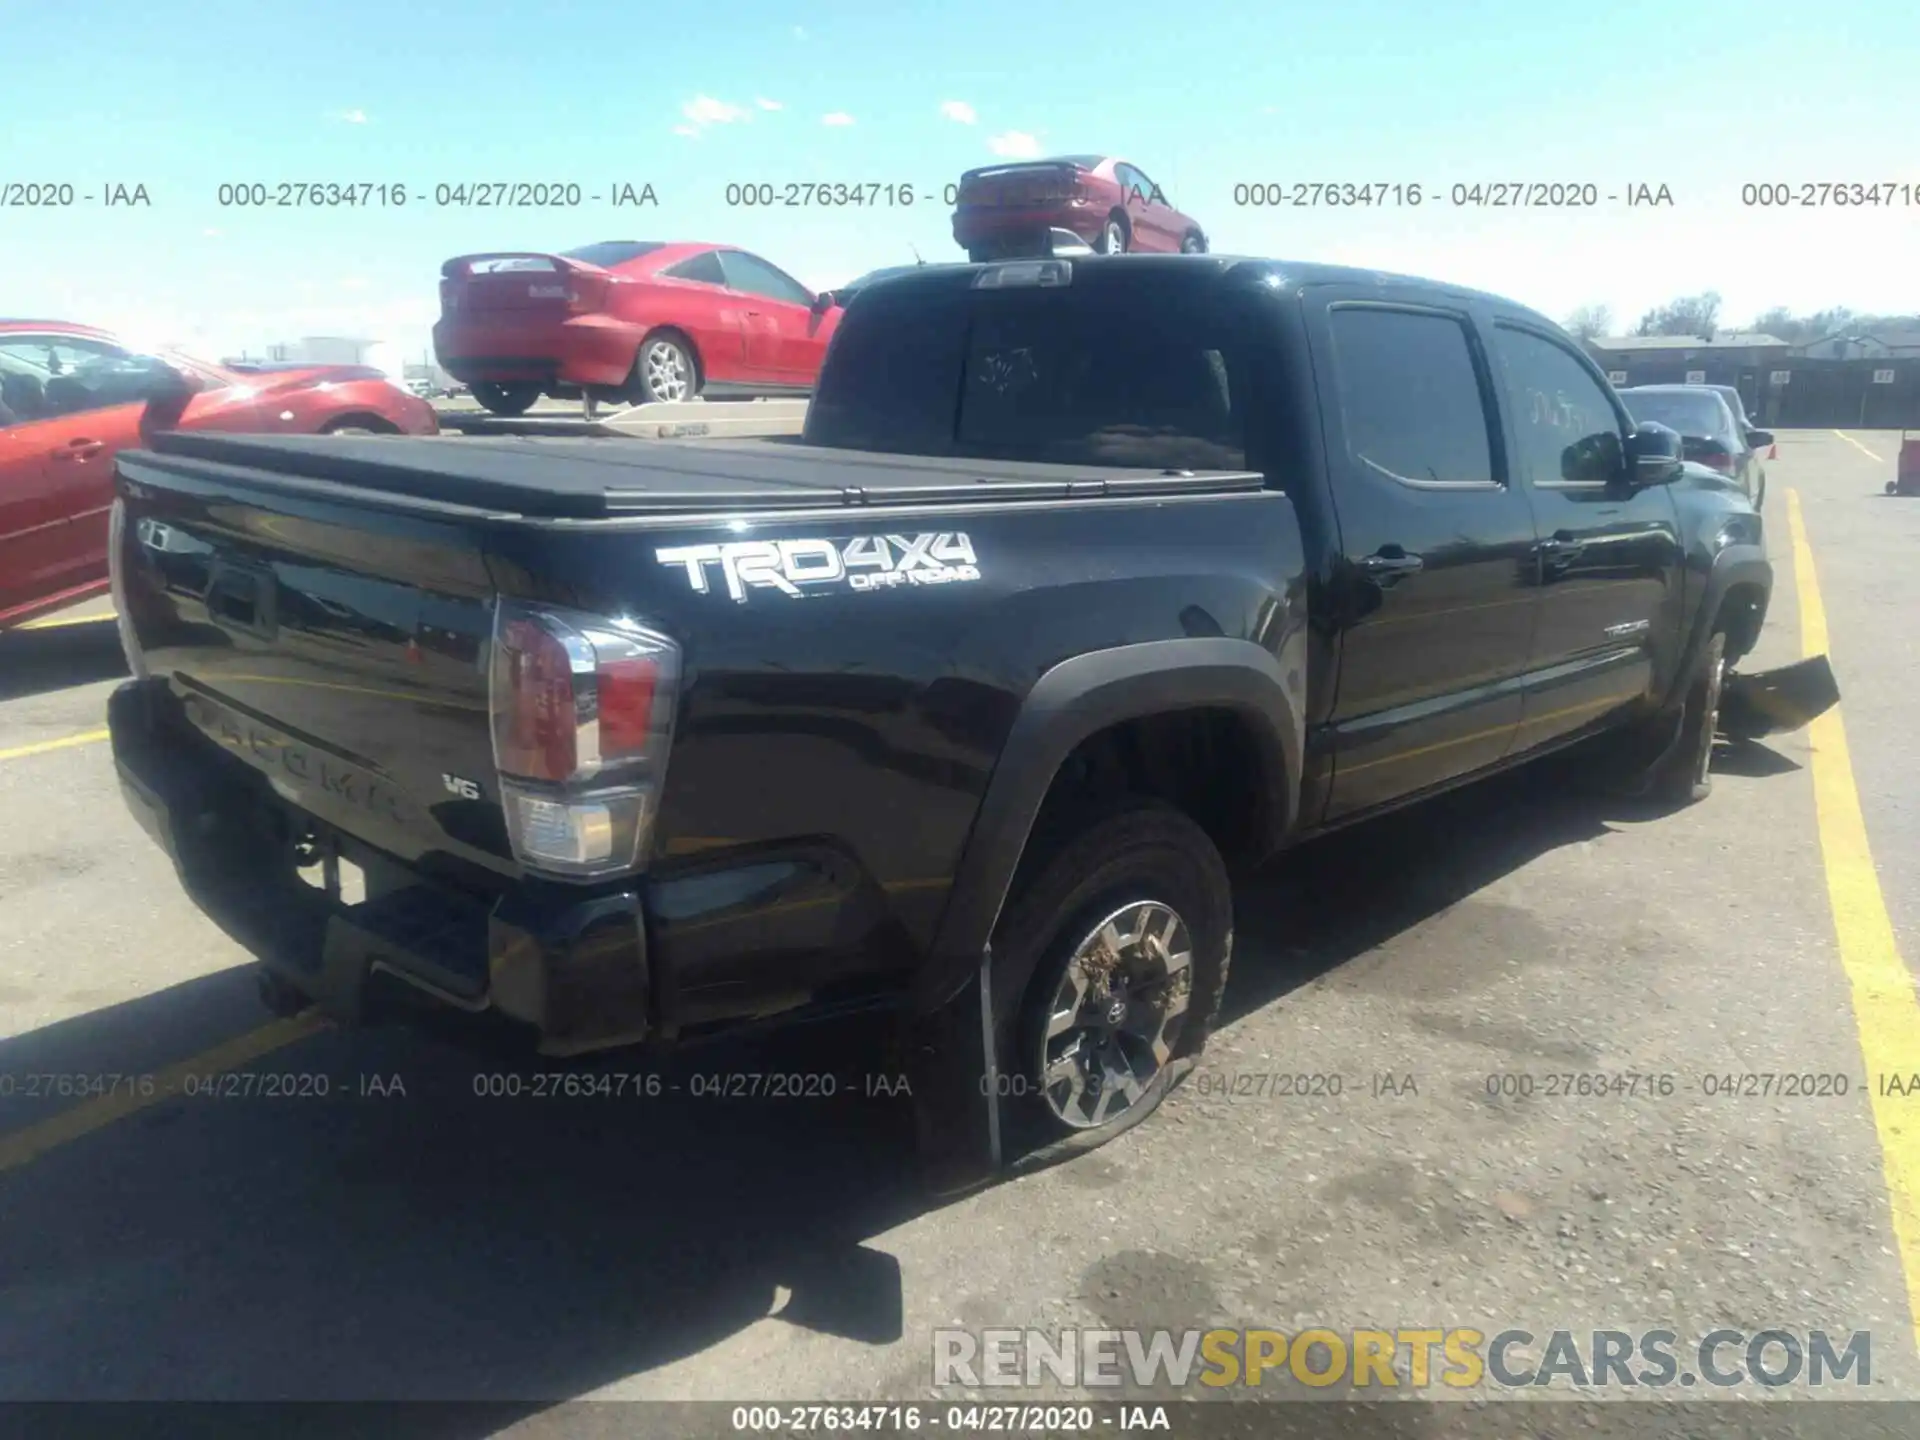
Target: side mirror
{"x":167,"y":389}
{"x":824,"y":301}
{"x":1759,"y":438}
{"x":1654,"y":455}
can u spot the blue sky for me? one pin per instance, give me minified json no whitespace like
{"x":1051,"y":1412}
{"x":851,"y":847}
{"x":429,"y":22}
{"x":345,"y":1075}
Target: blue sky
{"x":1202,"y":95}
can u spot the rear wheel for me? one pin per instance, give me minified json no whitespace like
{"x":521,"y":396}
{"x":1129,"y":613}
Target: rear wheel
{"x":1193,"y":243}
{"x":1113,"y":237}
{"x":502,"y":399}
{"x":1116,"y":952}
{"x":664,"y":371}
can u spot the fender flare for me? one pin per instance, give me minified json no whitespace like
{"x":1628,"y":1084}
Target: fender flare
{"x":1075,"y":699}
{"x":1738,"y":564}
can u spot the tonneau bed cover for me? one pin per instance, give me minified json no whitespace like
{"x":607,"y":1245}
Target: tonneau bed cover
{"x":600,"y":477}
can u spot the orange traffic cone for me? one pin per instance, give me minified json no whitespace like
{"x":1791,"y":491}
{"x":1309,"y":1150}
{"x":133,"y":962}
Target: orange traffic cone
{"x":1773,"y":452}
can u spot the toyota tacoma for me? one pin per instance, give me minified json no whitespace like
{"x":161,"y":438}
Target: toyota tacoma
{"x":1085,"y":585}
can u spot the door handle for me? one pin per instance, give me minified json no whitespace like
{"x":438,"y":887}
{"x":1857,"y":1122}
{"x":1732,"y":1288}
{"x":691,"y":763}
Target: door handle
{"x":1560,"y":548}
{"x":77,"y":450}
{"x":1389,"y":563}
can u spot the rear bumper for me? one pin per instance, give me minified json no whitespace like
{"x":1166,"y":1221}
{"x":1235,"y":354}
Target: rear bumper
{"x":503,"y":348}
{"x":571,"y":967}
{"x":1021,"y":231}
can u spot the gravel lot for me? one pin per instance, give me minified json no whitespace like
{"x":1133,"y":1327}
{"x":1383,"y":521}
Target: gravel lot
{"x":440,"y":1244}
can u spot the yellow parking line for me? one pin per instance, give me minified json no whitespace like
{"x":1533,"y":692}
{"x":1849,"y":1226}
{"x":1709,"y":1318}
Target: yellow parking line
{"x":41,"y":747}
{"x":1856,"y":445}
{"x":23,"y":1146}
{"x":54,"y":622}
{"x":1885,"y":1010}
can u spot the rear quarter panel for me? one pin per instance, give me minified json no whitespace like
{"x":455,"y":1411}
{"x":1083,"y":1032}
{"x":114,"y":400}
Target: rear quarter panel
{"x":850,"y":735}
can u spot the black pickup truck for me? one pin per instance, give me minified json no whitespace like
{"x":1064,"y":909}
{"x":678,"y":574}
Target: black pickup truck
{"x":1087,"y":583}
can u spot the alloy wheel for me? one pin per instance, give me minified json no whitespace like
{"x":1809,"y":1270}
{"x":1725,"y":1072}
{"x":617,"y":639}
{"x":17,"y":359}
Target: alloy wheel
{"x":1116,"y":1014}
{"x":666,"y":371}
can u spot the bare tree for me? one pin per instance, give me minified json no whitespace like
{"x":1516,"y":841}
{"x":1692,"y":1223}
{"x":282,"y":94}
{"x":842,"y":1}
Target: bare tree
{"x":1590,"y":322}
{"x":1689,"y":315}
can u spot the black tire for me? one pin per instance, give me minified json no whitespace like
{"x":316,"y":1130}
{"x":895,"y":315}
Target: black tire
{"x":352,"y":430}
{"x":664,"y":371}
{"x":1113,"y":237}
{"x":507,"y":400}
{"x":1685,"y":774}
{"x":1135,"y":853}
{"x":979,"y":257}
{"x":1193,"y":243}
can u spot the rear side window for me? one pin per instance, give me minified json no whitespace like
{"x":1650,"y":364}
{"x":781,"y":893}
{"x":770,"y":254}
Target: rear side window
{"x":1698,"y":413}
{"x":1156,"y":378}
{"x":1410,"y":396}
{"x":704,"y":267}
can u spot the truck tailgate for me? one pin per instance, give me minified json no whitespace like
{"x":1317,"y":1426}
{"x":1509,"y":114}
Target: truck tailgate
{"x":340,"y":651}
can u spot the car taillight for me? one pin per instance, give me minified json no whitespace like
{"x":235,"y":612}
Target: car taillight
{"x":1714,"y":460}
{"x":583,"y":710}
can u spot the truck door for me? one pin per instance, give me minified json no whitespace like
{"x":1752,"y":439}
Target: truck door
{"x":1609,"y":556}
{"x":1432,"y":590}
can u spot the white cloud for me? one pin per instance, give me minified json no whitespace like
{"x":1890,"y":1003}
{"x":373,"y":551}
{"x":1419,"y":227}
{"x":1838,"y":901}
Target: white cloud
{"x":766,"y":104}
{"x":692,"y":132}
{"x":799,"y":32}
{"x":1014,"y":145}
{"x":838,"y":117}
{"x":210,"y":232}
{"x":353,"y":117}
{"x":705,"y":110}
{"x":958,"y":110}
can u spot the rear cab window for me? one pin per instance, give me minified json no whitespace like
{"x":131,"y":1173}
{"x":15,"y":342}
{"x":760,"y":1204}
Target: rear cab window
{"x":1160,"y":374}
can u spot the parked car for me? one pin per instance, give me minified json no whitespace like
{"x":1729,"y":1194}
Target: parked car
{"x":72,"y":396}
{"x":628,"y":321}
{"x":1749,"y":428}
{"x":1085,"y":581}
{"x":1036,"y":207}
{"x":1713,"y":433}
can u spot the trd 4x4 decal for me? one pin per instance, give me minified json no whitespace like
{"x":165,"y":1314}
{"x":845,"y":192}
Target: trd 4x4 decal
{"x":866,"y":562}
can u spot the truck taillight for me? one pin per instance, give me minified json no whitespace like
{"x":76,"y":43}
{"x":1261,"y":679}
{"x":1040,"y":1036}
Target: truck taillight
{"x":583,"y":710}
{"x":449,"y":296}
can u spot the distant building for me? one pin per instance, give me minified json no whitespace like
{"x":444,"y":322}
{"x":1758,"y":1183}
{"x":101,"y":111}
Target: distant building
{"x":323,"y":350}
{"x":1888,"y":345}
{"x":1840,"y":380}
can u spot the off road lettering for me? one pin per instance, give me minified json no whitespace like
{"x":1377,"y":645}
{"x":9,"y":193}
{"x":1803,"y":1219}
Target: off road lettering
{"x":865,"y":562}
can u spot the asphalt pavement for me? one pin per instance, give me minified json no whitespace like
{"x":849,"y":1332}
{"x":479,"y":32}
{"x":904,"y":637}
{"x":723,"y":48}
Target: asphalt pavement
{"x":361,"y":1220}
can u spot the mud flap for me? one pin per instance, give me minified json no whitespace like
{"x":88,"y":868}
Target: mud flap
{"x":1772,"y":702}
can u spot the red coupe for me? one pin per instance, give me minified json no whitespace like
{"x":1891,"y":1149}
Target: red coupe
{"x":1104,"y":203}
{"x":628,"y":321}
{"x":71,"y":396}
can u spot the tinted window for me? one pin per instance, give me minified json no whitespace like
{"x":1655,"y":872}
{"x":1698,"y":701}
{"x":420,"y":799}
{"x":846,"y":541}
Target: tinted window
{"x":45,"y":377}
{"x":704,"y":267}
{"x":756,"y":277}
{"x":1565,"y":425}
{"x":1066,"y":376}
{"x":1410,"y":396}
{"x":1691,"y":412}
{"x":609,"y":253}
